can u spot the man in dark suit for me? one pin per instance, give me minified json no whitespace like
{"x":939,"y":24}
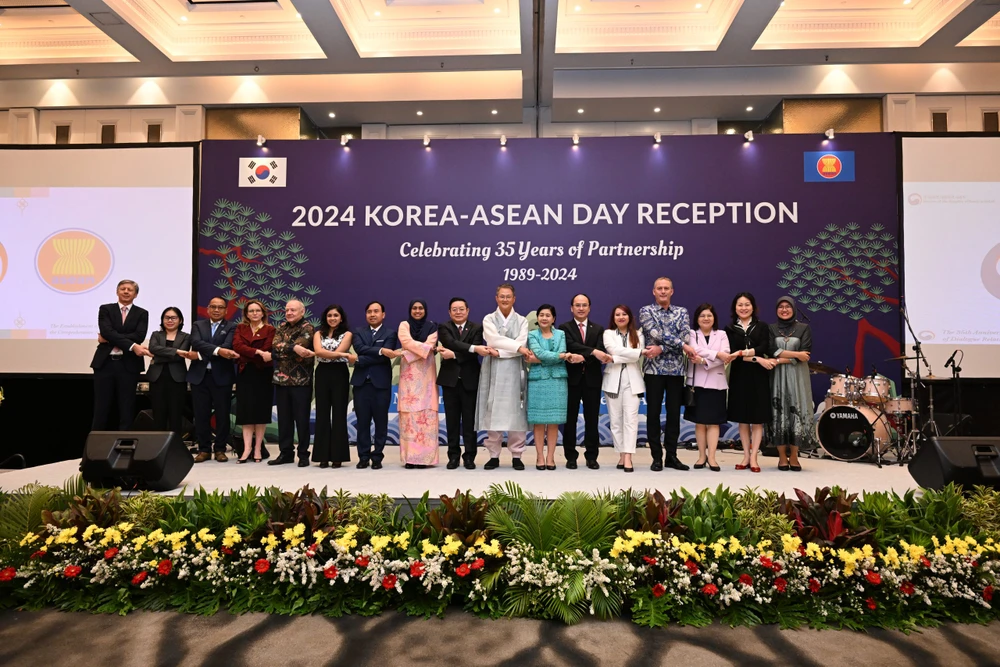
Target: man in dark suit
{"x":585,"y":338}
{"x":375,"y":346}
{"x":118,"y":360}
{"x":460,"y":346}
{"x":211,"y":375}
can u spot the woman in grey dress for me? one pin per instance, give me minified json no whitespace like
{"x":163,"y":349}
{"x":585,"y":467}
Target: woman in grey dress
{"x":791,"y":391}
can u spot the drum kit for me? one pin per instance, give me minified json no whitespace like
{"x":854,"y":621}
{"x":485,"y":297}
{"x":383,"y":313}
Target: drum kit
{"x":863,"y":420}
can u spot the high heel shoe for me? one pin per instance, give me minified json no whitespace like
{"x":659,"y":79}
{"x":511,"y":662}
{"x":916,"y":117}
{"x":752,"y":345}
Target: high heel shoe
{"x":783,"y":468}
{"x":754,"y":468}
{"x":795,"y":468}
{"x":539,"y":465}
{"x":620,"y":466}
{"x":628,"y":469}
{"x":550,"y":466}
{"x":742,"y":466}
{"x":246,"y":460}
{"x":714,"y":468}
{"x":700,"y":466}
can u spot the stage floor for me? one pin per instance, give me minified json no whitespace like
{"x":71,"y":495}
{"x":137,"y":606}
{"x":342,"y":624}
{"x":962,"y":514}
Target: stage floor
{"x":398,"y":482}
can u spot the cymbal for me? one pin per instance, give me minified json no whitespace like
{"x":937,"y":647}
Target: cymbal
{"x":820,"y":367}
{"x":902,"y":358}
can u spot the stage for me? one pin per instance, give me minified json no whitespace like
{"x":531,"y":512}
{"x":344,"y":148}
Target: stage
{"x":398,"y":482}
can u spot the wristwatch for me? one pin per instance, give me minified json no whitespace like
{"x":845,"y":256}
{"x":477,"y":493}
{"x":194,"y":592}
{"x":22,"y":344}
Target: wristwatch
{"x":753,"y":358}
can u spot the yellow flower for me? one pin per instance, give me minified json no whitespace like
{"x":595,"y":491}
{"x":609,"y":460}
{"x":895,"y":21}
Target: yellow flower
{"x":452,"y":545}
{"x":205,"y":536}
{"x":111,"y":536}
{"x":49,"y":540}
{"x":480,"y":541}
{"x":735,"y":546}
{"x":197,"y":545}
{"x":763,"y":544}
{"x":139,"y":542}
{"x":124,"y":526}
{"x":790,"y":544}
{"x":155,"y":536}
{"x":492,"y":549}
{"x":891,"y":557}
{"x":380,"y":542}
{"x":428,"y":548}
{"x":269,"y":541}
{"x":89,"y":532}
{"x":65,"y":536}
{"x":319,"y":536}
{"x":719,"y":549}
{"x":813,"y":551}
{"x":231,"y":537}
{"x":299,"y":530}
{"x":28,"y":539}
{"x":402,"y":540}
{"x":214,"y":555}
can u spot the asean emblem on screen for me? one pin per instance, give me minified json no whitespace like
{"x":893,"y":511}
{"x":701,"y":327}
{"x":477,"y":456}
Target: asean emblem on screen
{"x":990,"y":272}
{"x":73,"y":261}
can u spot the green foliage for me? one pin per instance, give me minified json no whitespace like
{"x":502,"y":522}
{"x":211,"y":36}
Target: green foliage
{"x":145,"y":508}
{"x":462,"y":515}
{"x":95,"y":507}
{"x":707,"y":516}
{"x":285,"y":509}
{"x":822,"y":520}
{"x":916,"y":516}
{"x":661,"y":515}
{"x":517,"y":516}
{"x":22,"y":511}
{"x":981,"y":508}
{"x":759,"y":515}
{"x":374,"y":513}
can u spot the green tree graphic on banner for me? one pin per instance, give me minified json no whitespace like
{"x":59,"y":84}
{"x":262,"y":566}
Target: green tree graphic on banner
{"x":847,"y":271}
{"x":253,"y":260}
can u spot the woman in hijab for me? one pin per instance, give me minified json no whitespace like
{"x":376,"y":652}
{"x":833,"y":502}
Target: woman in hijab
{"x":791,"y":391}
{"x":418,"y":395}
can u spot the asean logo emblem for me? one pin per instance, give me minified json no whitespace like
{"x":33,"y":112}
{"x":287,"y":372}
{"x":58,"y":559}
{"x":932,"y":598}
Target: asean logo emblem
{"x":990,"y":271}
{"x":73,"y":261}
{"x":829,"y":166}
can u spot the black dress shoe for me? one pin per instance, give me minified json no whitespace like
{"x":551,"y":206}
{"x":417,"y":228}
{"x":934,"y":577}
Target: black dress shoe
{"x":714,"y":468}
{"x":470,"y":465}
{"x":281,"y":459}
{"x":795,"y":468}
{"x":492,"y":464}
{"x":656,"y":466}
{"x":303,"y":462}
{"x":362,"y":464}
{"x":548,"y":467}
{"x":539,"y":467}
{"x":674,"y":463}
{"x":571,"y":465}
{"x":593,"y":465}
{"x":376,"y":465}
{"x":452,"y":464}
{"x":699,"y":466}
{"x":620,"y":466}
{"x":334,"y":464}
{"x":518,"y":464}
{"x":324,"y":464}
{"x":783,"y":468}
{"x":408,"y":466}
{"x":628,"y":469}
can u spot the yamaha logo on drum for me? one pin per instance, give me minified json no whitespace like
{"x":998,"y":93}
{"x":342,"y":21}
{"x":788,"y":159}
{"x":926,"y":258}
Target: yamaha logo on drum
{"x":843,"y":415}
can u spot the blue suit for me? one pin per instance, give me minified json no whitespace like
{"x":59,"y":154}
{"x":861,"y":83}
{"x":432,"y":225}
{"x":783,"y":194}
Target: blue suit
{"x":372,"y":381}
{"x":211,"y":388}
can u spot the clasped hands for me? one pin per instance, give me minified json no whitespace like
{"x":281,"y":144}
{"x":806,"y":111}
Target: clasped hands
{"x":481,"y":350}
{"x":137,"y":349}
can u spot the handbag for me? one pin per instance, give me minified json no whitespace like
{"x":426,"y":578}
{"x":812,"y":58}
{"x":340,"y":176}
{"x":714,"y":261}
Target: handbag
{"x":689,"y":399}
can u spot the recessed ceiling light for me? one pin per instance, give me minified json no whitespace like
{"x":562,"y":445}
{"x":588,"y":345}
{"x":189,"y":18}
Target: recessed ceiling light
{"x":184,"y":18}
{"x":656,"y":109}
{"x":297,"y":15}
{"x":906,"y":2}
{"x":577,"y":8}
{"x":496,"y":10}
{"x":749,"y":108}
{"x":332,"y":115}
{"x":698,"y":6}
{"x":420,"y":113}
{"x":731,"y":130}
{"x":378,"y":13}
{"x":494,"y":112}
{"x":579,"y":110}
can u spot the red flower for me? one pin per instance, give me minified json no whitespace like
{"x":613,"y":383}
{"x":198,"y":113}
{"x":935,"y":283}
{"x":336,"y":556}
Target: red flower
{"x":649,"y":560}
{"x":72,"y":571}
{"x":776,"y":568}
{"x":659,"y":590}
{"x":417,"y":569}
{"x":926,"y":562}
{"x":389,"y":582}
{"x":814,"y":585}
{"x":463,"y":570}
{"x":7,"y":574}
{"x":262,"y":565}
{"x":766,"y":562}
{"x":361,"y":561}
{"x":227,"y":551}
{"x":780,"y":584}
{"x":139,"y":578}
{"x":906,"y":588}
{"x":692,"y":567}
{"x":746,"y":580}
{"x":330,"y":572}
{"x":975,"y":564}
{"x":311,"y":552}
{"x":871,"y":603}
{"x":709,"y":589}
{"x":478,"y":564}
{"x":873,"y":578}
{"x":802,"y":550}
{"x":165,"y":567}
{"x":111,"y":553}
{"x":37,"y":554}
{"x":988,"y":593}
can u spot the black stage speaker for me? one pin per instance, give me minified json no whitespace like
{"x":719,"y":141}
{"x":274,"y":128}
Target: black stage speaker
{"x":965,"y":461}
{"x":154,"y":460}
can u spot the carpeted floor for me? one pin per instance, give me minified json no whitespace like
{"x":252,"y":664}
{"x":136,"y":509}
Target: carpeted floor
{"x":149,"y":639}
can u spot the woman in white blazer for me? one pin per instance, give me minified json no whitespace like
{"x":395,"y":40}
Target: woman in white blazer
{"x":623,"y":382}
{"x":707,"y":374}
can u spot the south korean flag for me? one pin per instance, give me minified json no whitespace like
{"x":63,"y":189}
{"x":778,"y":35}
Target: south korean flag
{"x":258,"y":172}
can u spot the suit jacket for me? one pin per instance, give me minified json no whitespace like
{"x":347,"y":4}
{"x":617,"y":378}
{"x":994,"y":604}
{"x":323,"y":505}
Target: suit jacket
{"x":165,"y":357}
{"x":121,"y":335}
{"x":712,"y":375}
{"x":465,"y":365}
{"x":552,"y":367}
{"x":371,"y":364}
{"x":629,"y":357}
{"x":589,"y":371}
{"x":205,"y":344}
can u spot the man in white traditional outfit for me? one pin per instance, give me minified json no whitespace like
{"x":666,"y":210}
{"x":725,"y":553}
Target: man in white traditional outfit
{"x":501,"y":404}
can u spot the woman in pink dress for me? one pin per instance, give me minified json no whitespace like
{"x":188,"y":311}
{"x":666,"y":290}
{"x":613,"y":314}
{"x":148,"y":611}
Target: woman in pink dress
{"x":418,"y":392}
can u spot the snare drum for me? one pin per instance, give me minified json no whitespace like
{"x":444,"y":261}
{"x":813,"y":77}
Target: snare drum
{"x":898,"y":405}
{"x":877,"y":389}
{"x":844,"y":389}
{"x":848,"y":433}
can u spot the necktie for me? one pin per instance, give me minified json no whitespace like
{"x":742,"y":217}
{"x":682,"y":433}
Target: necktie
{"x":582,"y":333}
{"x":215,"y":327}
{"x":461,"y":328}
{"x":124,"y":313}
{"x":373,"y":332}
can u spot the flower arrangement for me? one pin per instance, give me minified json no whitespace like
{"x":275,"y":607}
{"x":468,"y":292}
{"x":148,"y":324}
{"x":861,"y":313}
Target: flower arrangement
{"x":507,"y":553}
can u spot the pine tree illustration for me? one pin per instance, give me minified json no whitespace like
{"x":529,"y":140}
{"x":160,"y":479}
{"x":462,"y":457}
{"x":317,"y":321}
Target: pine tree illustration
{"x":847,"y":271}
{"x":253,"y":260}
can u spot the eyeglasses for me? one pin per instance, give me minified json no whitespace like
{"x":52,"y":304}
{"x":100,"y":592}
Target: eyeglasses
{"x":171,"y":317}
{"x":216,"y":307}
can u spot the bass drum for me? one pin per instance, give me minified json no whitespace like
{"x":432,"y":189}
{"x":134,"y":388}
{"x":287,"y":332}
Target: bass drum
{"x":848,"y":433}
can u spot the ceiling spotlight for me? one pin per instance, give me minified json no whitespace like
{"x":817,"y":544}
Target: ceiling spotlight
{"x":656,"y":138}
{"x":496,"y":11}
{"x":427,"y":140}
{"x":906,"y":2}
{"x":698,"y":6}
{"x":297,"y":15}
{"x":749,"y":135}
{"x":493,"y":111}
{"x":420,"y":113}
{"x":261,"y":140}
{"x":332,"y":115}
{"x":503,"y":139}
{"x":656,"y":109}
{"x":749,"y":108}
{"x":577,"y":8}
{"x":731,"y":130}
{"x":576,"y":139}
{"x":345,"y":139}
{"x":829,"y":133}
{"x":378,"y":13}
{"x":579,"y":110}
{"x":184,"y":18}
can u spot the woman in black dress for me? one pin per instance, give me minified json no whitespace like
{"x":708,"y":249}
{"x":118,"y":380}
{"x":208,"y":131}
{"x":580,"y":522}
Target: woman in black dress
{"x":254,"y":390}
{"x":332,"y":345}
{"x":167,"y":374}
{"x":749,"y":385}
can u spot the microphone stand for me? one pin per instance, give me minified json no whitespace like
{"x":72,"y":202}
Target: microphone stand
{"x":956,"y":414}
{"x":915,"y":383}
